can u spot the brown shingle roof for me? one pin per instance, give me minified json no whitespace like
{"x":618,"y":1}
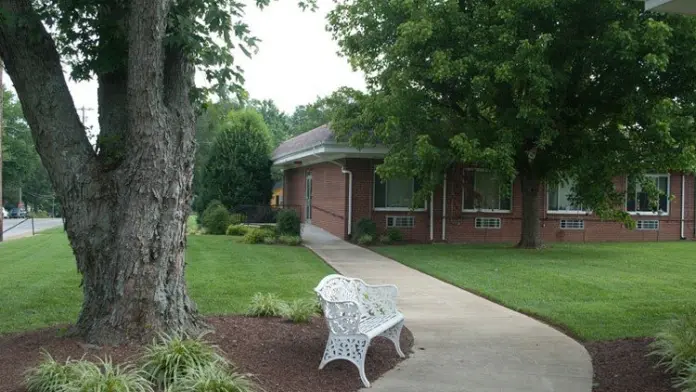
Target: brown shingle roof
{"x":315,"y":137}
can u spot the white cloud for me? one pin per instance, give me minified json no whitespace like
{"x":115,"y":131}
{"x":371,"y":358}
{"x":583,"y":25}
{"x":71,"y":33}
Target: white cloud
{"x":296,"y":62}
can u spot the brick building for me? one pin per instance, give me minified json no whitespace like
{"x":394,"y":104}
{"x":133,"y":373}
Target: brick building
{"x":335,"y":185}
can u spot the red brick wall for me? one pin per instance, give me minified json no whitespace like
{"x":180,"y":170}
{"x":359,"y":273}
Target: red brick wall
{"x":363,"y":178}
{"x":328,"y":195}
{"x":330,"y":210}
{"x":460,"y":225}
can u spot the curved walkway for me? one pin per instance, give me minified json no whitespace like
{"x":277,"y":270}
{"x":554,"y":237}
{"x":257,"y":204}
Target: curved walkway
{"x":464,"y":343}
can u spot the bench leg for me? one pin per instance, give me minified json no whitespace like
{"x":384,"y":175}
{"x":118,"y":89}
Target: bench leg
{"x":393,"y":334}
{"x":351,"y":348}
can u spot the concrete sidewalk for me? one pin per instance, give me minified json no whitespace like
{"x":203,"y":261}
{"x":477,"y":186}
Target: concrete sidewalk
{"x":463,"y":343}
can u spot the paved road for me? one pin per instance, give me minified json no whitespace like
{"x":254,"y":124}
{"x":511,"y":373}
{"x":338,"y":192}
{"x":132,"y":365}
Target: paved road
{"x":24,"y":229}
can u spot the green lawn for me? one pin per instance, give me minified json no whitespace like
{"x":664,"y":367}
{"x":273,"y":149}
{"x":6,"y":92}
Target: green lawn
{"x":39,"y":283}
{"x":597,"y":291}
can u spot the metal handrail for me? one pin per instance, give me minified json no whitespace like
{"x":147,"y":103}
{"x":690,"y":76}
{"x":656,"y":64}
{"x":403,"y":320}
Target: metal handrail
{"x":6,"y":230}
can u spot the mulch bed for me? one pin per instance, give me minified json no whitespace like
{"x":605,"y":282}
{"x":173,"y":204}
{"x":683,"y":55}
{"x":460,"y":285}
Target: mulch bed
{"x":623,"y":366}
{"x":282,"y":357}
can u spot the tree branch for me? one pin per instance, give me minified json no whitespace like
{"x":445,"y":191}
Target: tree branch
{"x":34,"y":66}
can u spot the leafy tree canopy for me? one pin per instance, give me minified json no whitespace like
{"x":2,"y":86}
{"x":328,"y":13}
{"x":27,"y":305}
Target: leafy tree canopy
{"x":238,"y":171}
{"x":309,"y":116}
{"x":542,"y":90}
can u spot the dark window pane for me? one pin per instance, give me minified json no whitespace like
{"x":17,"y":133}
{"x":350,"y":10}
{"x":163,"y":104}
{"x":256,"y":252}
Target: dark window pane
{"x":553,"y":197}
{"x":380,"y":192}
{"x":468,"y":190}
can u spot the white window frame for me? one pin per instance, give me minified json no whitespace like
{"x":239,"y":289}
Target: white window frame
{"x":561,"y":212}
{"x":481,"y":210}
{"x":651,"y":213}
{"x":396,"y":217}
{"x":395,"y":209}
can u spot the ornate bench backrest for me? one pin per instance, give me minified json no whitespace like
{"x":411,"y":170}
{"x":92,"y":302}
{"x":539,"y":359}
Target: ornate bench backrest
{"x":337,"y":288}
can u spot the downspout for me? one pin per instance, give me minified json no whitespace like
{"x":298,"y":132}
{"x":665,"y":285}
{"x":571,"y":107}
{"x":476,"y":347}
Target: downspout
{"x":350,"y":195}
{"x":683,"y":194}
{"x":432,"y":216}
{"x":350,"y":199}
{"x":444,"y":209}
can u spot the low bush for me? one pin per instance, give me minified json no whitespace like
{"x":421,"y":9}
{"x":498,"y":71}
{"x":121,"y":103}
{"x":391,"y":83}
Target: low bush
{"x":169,"y":358}
{"x":384,"y":239}
{"x":107,"y":377}
{"x":255,"y":236}
{"x":270,"y":240}
{"x":288,"y":223}
{"x":365,"y":226}
{"x":291,"y":240}
{"x":237,"y":230}
{"x":237,"y":219}
{"x":300,"y":311}
{"x":216,"y":218}
{"x":686,"y":380}
{"x":394,"y":235}
{"x":266,"y":305}
{"x":50,"y":375}
{"x":365,"y":239}
{"x":214,"y":378}
{"x":675,"y":344}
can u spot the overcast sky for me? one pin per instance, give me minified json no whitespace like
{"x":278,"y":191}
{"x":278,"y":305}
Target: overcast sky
{"x":296,"y":62}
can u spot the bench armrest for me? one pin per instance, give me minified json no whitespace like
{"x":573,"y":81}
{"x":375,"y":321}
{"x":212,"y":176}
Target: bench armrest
{"x":379,"y":299}
{"x":343,"y":318}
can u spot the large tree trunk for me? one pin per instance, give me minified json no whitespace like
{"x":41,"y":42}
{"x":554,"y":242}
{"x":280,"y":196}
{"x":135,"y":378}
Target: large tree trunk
{"x":126,"y":206}
{"x":531,"y":229}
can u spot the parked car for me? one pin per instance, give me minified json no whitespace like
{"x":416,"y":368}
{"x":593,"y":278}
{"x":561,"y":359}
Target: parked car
{"x":5,"y":214}
{"x":20,"y":213}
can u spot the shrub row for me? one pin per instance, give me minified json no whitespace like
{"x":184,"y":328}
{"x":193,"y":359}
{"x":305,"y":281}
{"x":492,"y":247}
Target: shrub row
{"x":365,"y":233}
{"x":170,"y":363}
{"x":675,"y":346}
{"x":270,"y":305}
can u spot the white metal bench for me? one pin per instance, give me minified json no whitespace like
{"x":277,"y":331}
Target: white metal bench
{"x":356,"y":312}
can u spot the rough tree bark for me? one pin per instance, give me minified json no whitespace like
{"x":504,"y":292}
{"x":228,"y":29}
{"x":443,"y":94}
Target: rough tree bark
{"x":125,"y":215}
{"x":531,"y":230}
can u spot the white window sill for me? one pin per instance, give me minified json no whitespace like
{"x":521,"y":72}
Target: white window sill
{"x":648,"y":213}
{"x":398,"y":209}
{"x":489,"y":211}
{"x":569,"y":212}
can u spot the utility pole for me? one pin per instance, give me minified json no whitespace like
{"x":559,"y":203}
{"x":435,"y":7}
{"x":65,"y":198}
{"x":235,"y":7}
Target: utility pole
{"x":2,"y":96}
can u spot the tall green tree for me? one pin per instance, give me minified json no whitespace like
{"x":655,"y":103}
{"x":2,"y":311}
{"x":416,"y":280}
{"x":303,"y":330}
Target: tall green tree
{"x":22,"y":170}
{"x":126,"y":203}
{"x":275,"y":119}
{"x":542,"y":90}
{"x":208,"y":124}
{"x":309,"y":116}
{"x":238,"y":171}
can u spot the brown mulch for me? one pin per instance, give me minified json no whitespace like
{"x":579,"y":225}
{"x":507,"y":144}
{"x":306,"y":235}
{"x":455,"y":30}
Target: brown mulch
{"x":623,"y":366}
{"x":282,"y":357}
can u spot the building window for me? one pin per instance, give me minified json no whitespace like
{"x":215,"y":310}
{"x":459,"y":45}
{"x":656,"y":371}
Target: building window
{"x":572,"y":224}
{"x":487,"y":223}
{"x":401,"y":221}
{"x":648,"y":225}
{"x":394,"y":194}
{"x":482,"y":191}
{"x":560,"y":199}
{"x":637,"y":200}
